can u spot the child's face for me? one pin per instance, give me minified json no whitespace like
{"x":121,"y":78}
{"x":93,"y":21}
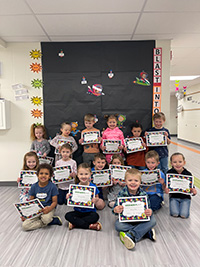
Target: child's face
{"x":31,"y":162}
{"x":136,"y":131}
{"x":65,"y":153}
{"x":89,"y":124}
{"x":178,"y":163}
{"x":112,"y":124}
{"x":133,"y":183}
{"x":116,"y":162}
{"x":84,"y":176}
{"x":99,"y":164}
{"x":39,"y":133}
{"x":44,"y":176}
{"x":152,"y":163}
{"x":66,"y":130}
{"x":158,"y":123}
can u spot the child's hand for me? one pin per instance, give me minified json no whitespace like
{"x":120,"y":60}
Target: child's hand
{"x":193,"y":191}
{"x":118,"y":209}
{"x":59,"y":148}
{"x":103,"y":148}
{"x":68,"y":195}
{"x":18,"y":179}
{"x":146,"y":133}
{"x":44,"y":155}
{"x":115,"y":181}
{"x":125,"y":149}
{"x":168,"y":141}
{"x":46,"y":210}
{"x":73,"y":174}
{"x":148,"y":212}
{"x":166,"y":190}
{"x":120,"y":147}
{"x":80,"y":141}
{"x":121,"y":183}
{"x":22,"y":218}
{"x":99,"y":139}
{"x":161,"y":181}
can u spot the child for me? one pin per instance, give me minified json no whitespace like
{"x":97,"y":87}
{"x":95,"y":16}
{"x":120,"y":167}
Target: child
{"x":155,"y":192}
{"x":179,"y":204}
{"x":30,"y":162}
{"x":65,"y":135}
{"x":46,"y":192}
{"x":117,"y":185}
{"x":137,"y":159}
{"x":89,"y":149}
{"x":63,"y":188}
{"x":85,"y":218}
{"x":112,"y":133}
{"x":159,"y":120}
{"x":132,"y":232}
{"x":40,"y":143}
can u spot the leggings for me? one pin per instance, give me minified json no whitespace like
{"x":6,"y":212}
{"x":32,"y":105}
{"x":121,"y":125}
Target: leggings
{"x":82,"y":219}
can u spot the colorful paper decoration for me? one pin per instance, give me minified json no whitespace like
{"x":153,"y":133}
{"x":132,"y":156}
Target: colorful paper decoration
{"x":36,"y":67}
{"x":36,"y":113}
{"x":35,"y":54}
{"x":37,"y":83}
{"x":95,"y":90}
{"x":36,"y":100}
{"x":74,"y":129}
{"x":61,"y":54}
{"x":83,"y":81}
{"x":184,"y":90}
{"x":110,"y":74}
{"x":120,"y":120}
{"x":143,"y":79}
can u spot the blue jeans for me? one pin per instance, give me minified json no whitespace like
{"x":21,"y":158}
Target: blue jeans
{"x":62,"y":196}
{"x":138,"y":167}
{"x":156,"y":201}
{"x":163,"y":165}
{"x":179,"y":207}
{"x":138,"y":229}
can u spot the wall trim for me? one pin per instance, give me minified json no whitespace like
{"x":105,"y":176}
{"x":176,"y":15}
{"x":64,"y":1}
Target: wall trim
{"x":8,"y":183}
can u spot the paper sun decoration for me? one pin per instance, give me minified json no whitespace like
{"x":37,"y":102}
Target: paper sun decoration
{"x":36,"y":100}
{"x":143,"y":79}
{"x":36,"y":113}
{"x":35,"y":67}
{"x":35,"y":54}
{"x":37,"y":83}
{"x":95,"y":90}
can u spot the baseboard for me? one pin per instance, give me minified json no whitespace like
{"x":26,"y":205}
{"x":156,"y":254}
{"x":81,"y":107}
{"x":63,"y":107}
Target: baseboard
{"x":8,"y":183}
{"x":188,"y":142}
{"x":173,"y":135}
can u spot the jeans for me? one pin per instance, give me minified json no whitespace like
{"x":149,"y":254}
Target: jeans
{"x":179,"y":207}
{"x":163,"y":165}
{"x":156,"y":202}
{"x":138,"y":167}
{"x":82,"y":219}
{"x":62,"y":196}
{"x":138,"y":229}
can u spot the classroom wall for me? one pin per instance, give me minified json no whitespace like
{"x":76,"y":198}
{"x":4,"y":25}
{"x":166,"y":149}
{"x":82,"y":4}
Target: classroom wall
{"x":189,"y":118}
{"x":173,"y":114}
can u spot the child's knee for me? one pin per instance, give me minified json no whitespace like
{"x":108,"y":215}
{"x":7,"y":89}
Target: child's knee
{"x":46,"y":219}
{"x":26,"y":225}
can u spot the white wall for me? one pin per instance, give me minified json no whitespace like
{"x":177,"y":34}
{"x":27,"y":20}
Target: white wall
{"x":173,"y":114}
{"x":15,"y":142}
{"x":189,"y":121}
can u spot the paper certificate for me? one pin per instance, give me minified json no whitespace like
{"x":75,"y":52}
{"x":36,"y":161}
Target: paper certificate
{"x":62,"y":174}
{"x":81,"y":196}
{"x":48,"y":160}
{"x":134,"y":209}
{"x":112,"y":146}
{"x":150,"y":177}
{"x":27,"y":178}
{"x":62,"y":142}
{"x":101,"y":178}
{"x":91,"y":137}
{"x":30,"y":209}
{"x":134,"y":144}
{"x":156,"y":138}
{"x":178,"y":183}
{"x":118,"y":172}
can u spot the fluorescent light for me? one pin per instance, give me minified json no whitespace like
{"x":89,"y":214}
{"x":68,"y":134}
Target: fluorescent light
{"x":183,"y":78}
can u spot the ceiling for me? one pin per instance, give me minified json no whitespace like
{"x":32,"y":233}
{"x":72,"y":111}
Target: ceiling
{"x":103,"y":20}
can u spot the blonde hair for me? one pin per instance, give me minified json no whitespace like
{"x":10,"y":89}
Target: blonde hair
{"x":30,"y":154}
{"x":89,"y":117}
{"x":117,"y":156}
{"x":152,"y":154}
{"x":159,"y":115}
{"x":83,"y":166}
{"x":134,"y":172}
{"x":37,"y":126}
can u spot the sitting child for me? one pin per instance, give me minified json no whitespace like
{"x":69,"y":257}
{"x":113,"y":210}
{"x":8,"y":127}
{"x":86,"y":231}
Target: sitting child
{"x":132,"y":232}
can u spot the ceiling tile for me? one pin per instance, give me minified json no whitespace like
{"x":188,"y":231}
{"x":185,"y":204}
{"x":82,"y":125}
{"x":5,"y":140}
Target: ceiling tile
{"x":25,"y":39}
{"x":11,"y":7}
{"x":80,"y":38}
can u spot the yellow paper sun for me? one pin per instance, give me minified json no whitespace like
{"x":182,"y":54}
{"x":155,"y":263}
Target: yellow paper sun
{"x":36,"y":113}
{"x":35,"y":54}
{"x":36,"y":100}
{"x":35,"y":67}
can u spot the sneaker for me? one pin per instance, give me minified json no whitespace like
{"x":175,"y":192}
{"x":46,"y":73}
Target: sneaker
{"x":127,"y":239}
{"x":71,"y":226}
{"x":56,"y":221}
{"x":151,"y":234}
{"x":95,"y":226}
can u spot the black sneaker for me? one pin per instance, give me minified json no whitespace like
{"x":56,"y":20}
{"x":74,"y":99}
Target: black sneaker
{"x":151,"y":234}
{"x":56,"y":221}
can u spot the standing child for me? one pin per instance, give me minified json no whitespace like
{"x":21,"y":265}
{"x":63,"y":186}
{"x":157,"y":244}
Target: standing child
{"x":112,"y":133}
{"x":117,"y":185}
{"x":159,"y":120}
{"x":85,"y":218}
{"x":155,"y":192}
{"x":46,"y":192}
{"x":132,"y":232}
{"x":40,"y":144}
{"x":179,"y":204}
{"x":65,"y":136}
{"x":89,"y":149}
{"x":63,"y":188}
{"x":31,"y":163}
{"x":137,"y":159}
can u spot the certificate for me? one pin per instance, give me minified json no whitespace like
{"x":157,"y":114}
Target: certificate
{"x":134,"y":209}
{"x":48,"y":160}
{"x":101,"y":178}
{"x":62,"y":142}
{"x":134,"y":144}
{"x":112,"y":146}
{"x":30,"y":209}
{"x":156,"y":138}
{"x":118,"y":172}
{"x":27,"y":178}
{"x":81,"y":196}
{"x":178,"y":183}
{"x":150,"y":177}
{"x":91,"y":137}
{"x":62,"y":174}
